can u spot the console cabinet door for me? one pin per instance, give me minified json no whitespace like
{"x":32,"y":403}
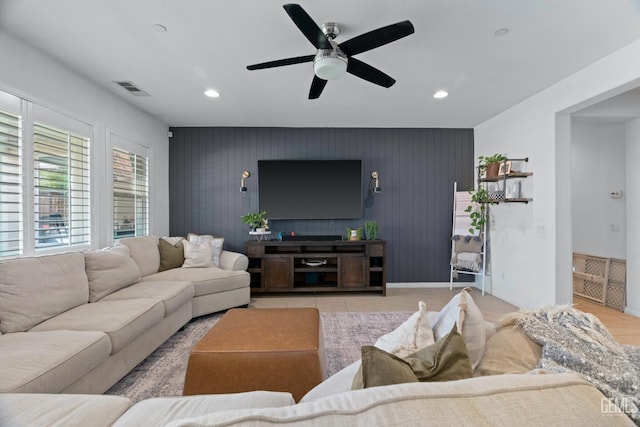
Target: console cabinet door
{"x":353,"y":272}
{"x":277,"y":272}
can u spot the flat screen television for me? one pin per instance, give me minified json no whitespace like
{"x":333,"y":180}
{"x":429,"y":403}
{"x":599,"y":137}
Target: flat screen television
{"x":310,"y":189}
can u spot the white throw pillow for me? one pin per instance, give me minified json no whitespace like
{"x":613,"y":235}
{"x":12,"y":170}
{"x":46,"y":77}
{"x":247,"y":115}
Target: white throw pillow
{"x":463,"y":311}
{"x":197,"y":255}
{"x":216,"y":244}
{"x":415,"y":333}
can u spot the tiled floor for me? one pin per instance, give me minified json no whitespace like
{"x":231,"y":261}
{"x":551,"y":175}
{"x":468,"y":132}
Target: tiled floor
{"x":624,"y":327}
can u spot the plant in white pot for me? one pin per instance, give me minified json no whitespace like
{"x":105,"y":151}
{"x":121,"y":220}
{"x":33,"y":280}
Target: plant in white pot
{"x":256,"y":220}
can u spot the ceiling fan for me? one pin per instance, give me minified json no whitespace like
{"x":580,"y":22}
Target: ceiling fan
{"x":333,"y":60}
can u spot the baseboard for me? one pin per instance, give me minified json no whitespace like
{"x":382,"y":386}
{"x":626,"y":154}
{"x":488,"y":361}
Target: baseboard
{"x":627,"y":310}
{"x":427,"y":285}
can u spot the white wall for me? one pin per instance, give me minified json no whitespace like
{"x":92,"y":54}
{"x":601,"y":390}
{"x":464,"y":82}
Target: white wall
{"x":30,"y":74}
{"x":598,"y":167}
{"x":531,"y":244}
{"x":633,"y":225}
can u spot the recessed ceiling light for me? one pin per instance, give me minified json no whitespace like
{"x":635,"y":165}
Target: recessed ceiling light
{"x":501,"y":32}
{"x":211,"y":93}
{"x":159,"y":28}
{"x":441,"y":94}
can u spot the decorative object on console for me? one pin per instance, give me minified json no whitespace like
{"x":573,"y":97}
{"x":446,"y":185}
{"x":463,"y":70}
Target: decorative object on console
{"x":354,"y":233}
{"x":255,"y":220}
{"x":376,"y":188}
{"x":313,"y":262}
{"x":370,"y":230}
{"x":243,"y":181}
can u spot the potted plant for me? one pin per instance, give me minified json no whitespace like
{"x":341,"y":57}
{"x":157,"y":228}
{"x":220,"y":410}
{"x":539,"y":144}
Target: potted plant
{"x":479,"y":211}
{"x":490,"y":164}
{"x":255,"y":220}
{"x":370,"y":230}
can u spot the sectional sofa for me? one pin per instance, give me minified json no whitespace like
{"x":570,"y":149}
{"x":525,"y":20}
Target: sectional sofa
{"x":78,"y":322}
{"x":498,"y":400}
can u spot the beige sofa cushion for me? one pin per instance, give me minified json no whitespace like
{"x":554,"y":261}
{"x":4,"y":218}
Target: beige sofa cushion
{"x":145,"y":252}
{"x":172,"y":294}
{"x":35,"y":289}
{"x":24,"y":409}
{"x":160,"y":411}
{"x":501,"y":400}
{"x":205,"y":280}
{"x":109,"y":270}
{"x":123,"y":320}
{"x":49,"y":362}
{"x":509,"y":351}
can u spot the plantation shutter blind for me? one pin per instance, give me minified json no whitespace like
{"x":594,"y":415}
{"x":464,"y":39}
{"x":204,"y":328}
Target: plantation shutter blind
{"x":130,"y":194}
{"x":62,"y":189}
{"x":11,"y":226}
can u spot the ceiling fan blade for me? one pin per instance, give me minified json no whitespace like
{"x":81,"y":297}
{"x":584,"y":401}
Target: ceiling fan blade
{"x":317,"y":86}
{"x":308,"y":26}
{"x":377,"y":38}
{"x":369,"y":73}
{"x":281,"y":62}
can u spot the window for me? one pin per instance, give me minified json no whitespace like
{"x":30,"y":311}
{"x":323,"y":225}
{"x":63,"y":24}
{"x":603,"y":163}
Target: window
{"x":45,"y":182}
{"x":130,"y":194}
{"x":62,"y":203}
{"x":10,"y":185}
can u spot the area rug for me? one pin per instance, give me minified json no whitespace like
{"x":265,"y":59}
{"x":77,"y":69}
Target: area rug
{"x":162,"y":373}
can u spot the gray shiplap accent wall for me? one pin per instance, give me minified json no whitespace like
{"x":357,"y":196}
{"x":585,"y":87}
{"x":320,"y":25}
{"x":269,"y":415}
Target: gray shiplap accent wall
{"x":417,"y":169}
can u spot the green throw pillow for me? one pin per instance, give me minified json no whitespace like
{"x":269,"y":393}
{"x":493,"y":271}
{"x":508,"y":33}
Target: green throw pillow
{"x":382,"y":368}
{"x":445,"y":360}
{"x":171,"y":256}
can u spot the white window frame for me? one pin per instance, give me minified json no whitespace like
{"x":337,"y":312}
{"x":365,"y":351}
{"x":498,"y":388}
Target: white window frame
{"x":31,"y":113}
{"x":118,"y":142}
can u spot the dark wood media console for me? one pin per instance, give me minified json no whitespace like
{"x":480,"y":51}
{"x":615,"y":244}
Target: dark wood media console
{"x":317,"y":266}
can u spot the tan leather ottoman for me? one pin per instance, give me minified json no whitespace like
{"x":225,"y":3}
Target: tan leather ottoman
{"x":275,"y":349}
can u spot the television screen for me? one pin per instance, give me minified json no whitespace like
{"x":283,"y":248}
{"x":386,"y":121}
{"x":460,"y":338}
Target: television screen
{"x":310,"y":189}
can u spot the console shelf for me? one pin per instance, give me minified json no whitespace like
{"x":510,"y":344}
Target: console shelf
{"x":343,"y":266}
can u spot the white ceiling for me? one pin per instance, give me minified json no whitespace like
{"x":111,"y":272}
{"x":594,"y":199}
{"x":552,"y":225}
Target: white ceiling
{"x":209,"y":44}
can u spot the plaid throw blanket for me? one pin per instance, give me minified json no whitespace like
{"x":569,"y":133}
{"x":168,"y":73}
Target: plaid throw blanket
{"x":576,"y":341}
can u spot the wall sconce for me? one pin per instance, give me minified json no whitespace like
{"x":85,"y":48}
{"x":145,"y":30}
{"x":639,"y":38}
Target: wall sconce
{"x":243,"y":183}
{"x":376,"y":187}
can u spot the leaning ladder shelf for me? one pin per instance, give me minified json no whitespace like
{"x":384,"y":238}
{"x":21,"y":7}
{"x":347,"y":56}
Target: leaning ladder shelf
{"x":461,"y":225}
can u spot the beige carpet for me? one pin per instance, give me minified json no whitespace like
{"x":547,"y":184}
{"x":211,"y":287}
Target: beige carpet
{"x":162,"y":373}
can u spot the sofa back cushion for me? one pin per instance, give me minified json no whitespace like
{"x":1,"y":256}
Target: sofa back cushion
{"x":109,"y":270}
{"x":145,"y":252}
{"x":33,"y":290}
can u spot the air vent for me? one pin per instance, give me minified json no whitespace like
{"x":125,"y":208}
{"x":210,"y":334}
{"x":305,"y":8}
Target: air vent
{"x":132,"y":88}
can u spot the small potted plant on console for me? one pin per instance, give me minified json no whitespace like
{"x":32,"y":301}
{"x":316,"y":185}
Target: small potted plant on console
{"x":257,"y":220}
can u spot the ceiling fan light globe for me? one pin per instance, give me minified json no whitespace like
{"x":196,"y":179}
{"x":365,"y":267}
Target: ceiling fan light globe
{"x":330,"y":68}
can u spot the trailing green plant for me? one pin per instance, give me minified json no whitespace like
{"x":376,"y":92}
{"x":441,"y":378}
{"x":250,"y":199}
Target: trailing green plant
{"x":479,"y":210}
{"x":255,"y":220}
{"x":370,"y":230}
